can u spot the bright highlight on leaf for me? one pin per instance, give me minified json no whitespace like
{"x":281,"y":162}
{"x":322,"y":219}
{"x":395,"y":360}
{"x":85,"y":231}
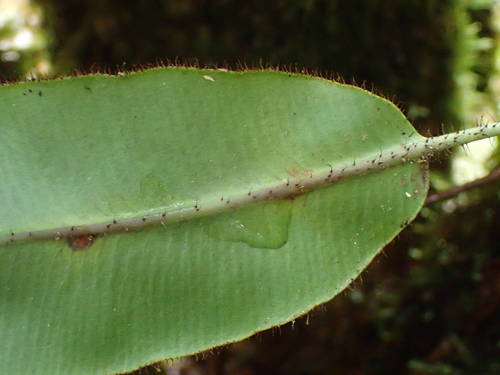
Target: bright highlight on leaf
{"x":205,"y":205}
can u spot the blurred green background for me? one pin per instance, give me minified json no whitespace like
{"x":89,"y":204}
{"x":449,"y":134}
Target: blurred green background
{"x":430,"y":303}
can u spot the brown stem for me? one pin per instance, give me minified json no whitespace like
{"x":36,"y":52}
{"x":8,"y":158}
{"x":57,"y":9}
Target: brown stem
{"x":447,"y":194}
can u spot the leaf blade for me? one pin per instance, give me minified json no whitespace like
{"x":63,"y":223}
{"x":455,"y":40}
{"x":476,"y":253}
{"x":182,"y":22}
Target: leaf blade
{"x":134,"y":298}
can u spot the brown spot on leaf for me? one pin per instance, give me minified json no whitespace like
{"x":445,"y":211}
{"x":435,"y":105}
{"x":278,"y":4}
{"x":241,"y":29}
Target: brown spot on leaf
{"x":81,"y":242}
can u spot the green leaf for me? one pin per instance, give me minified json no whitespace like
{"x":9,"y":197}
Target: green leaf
{"x":260,"y":179}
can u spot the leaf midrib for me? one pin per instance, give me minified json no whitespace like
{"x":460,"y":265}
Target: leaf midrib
{"x":414,"y":150}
